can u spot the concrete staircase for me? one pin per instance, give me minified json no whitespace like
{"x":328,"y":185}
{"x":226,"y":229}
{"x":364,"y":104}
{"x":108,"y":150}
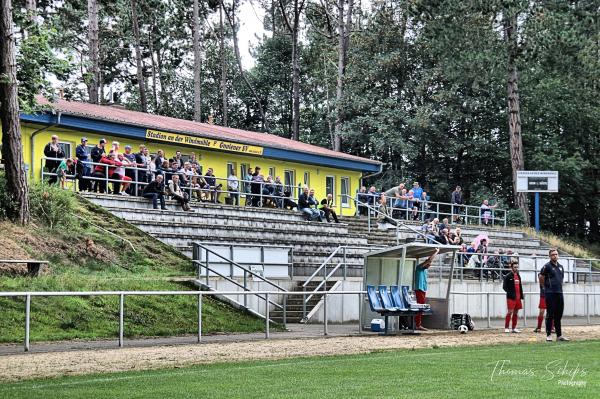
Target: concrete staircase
{"x":295,"y":306}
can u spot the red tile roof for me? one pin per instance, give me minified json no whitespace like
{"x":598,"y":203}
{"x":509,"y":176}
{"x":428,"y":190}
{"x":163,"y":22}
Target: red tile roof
{"x":168,"y":124}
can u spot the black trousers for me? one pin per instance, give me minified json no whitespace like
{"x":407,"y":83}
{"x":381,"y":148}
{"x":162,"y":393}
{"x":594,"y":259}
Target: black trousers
{"x":555,"y":304}
{"x":329,"y":213}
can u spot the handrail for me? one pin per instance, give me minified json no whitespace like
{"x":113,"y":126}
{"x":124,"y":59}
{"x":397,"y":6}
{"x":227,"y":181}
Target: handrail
{"x":324,"y":281}
{"x":242,"y":286}
{"x":399,"y":223}
{"x":437,"y":205}
{"x":232,"y":262}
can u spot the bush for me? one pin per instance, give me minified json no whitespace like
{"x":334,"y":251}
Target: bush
{"x":514,"y":217}
{"x":52,"y":205}
{"x":6,"y":202}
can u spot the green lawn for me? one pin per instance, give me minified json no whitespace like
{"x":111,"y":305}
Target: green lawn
{"x":428,"y":373}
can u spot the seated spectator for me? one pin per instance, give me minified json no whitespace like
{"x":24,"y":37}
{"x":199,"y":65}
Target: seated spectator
{"x":304,"y":205}
{"x":215,"y":189}
{"x":400,"y":206}
{"x":155,"y":190}
{"x":486,"y":212}
{"x":463,"y":257}
{"x":177,"y":193}
{"x":268,"y":190}
{"x":383,"y":215}
{"x":493,"y":262}
{"x":456,"y":237}
{"x":445,"y":224}
{"x":427,"y":236}
{"x":278,"y":191}
{"x":314,"y":204}
{"x":65,"y":167}
{"x":186,"y":174}
{"x":362,"y":198}
{"x":327,"y":208}
{"x":288,"y":203}
{"x":444,"y":237}
{"x":435,"y":227}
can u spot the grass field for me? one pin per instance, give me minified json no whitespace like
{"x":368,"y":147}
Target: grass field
{"x":529,"y":371}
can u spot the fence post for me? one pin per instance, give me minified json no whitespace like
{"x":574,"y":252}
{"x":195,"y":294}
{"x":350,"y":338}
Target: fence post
{"x":304,"y":303}
{"x":245,"y":288}
{"x":121,"y":326}
{"x":325,"y":332}
{"x":524,"y":312}
{"x":587,"y":307}
{"x":488,"y":309}
{"x":345,"y":264}
{"x":27,"y":320}
{"x":267,"y":315}
{"x":359,"y":313}
{"x":284,"y":311}
{"x":200,"y":317}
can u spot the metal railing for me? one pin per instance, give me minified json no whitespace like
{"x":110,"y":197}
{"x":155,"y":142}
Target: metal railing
{"x":489,"y":294}
{"x":493,"y":269}
{"x":212,"y":194}
{"x":326,"y":276}
{"x":265,"y":295}
{"x":197,"y":248}
{"x":472,"y":214}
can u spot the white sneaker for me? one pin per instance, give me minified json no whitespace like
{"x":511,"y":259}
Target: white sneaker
{"x":549,"y":338}
{"x":561,"y":338}
{"x":124,"y":193}
{"x":507,"y":330}
{"x":516,"y":330}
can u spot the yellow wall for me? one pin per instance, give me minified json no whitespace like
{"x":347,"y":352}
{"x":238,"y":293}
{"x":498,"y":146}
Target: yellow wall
{"x":207,"y":158}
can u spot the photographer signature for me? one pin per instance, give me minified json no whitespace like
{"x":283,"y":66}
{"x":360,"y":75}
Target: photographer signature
{"x":560,"y":368}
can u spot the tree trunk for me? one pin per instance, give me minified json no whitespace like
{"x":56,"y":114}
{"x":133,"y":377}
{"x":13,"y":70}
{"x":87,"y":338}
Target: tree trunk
{"x":231,"y":18}
{"x":223,"y":67}
{"x":138,"y":56}
{"x":153,"y":65}
{"x":94,"y":51}
{"x":12,"y":148}
{"x":344,"y":28}
{"x":294,"y":28}
{"x":197,"y":63}
{"x":514,"y":113}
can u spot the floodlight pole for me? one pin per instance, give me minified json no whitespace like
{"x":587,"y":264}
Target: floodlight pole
{"x":537,"y":212}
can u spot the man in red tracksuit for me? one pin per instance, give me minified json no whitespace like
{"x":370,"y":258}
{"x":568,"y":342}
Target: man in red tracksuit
{"x":514,"y":295}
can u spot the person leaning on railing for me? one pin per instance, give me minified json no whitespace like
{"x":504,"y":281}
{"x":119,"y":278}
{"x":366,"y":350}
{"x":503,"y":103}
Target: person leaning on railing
{"x":383,"y":216}
{"x":362,"y":198}
{"x":53,"y":150}
{"x":155,"y":190}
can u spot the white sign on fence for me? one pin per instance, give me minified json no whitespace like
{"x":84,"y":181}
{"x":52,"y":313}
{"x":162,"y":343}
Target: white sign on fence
{"x":537,"y":181}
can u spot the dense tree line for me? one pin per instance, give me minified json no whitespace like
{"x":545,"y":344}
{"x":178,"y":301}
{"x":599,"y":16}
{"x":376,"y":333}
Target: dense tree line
{"x":444,"y":92}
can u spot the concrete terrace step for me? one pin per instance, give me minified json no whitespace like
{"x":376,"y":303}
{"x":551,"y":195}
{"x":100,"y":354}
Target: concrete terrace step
{"x":118,"y":201}
{"x":208,"y":226}
{"x":264,"y":237}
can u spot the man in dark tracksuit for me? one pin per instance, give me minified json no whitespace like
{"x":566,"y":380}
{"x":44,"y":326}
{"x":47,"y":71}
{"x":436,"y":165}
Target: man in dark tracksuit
{"x":551,"y":277}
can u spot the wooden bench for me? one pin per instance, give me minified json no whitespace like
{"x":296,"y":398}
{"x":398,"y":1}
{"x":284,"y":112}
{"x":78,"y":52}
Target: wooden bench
{"x":34,"y":267}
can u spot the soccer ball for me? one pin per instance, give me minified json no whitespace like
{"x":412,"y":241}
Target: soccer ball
{"x":463,"y":329}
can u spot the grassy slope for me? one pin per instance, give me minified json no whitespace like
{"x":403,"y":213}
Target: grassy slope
{"x":427,"y":373}
{"x":111,"y":265}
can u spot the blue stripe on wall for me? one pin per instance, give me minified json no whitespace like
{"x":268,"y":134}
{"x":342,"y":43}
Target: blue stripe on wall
{"x":136,"y":132}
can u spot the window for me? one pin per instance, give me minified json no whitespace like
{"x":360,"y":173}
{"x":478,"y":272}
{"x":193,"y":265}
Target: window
{"x":289,"y":179}
{"x":345,"y":190}
{"x":231,"y":168}
{"x":330,"y":186}
{"x":243,"y":171}
{"x":66,"y":148}
{"x":307,"y":178}
{"x":272,"y":172}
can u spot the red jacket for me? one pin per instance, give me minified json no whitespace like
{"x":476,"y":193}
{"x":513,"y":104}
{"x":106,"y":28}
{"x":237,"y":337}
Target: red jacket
{"x":111,"y":169}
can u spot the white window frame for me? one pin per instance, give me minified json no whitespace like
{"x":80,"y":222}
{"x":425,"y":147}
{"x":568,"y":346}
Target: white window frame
{"x":332,"y":187}
{"x":345,"y":200}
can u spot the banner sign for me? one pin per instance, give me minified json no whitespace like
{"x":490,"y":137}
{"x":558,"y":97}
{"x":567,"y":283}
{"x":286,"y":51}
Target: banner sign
{"x":534,"y":181}
{"x":176,"y":138}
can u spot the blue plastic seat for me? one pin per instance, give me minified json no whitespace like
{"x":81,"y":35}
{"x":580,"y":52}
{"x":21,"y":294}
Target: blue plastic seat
{"x":397,"y":298}
{"x":387,"y":301}
{"x":411,"y":303}
{"x":374,"y":301}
